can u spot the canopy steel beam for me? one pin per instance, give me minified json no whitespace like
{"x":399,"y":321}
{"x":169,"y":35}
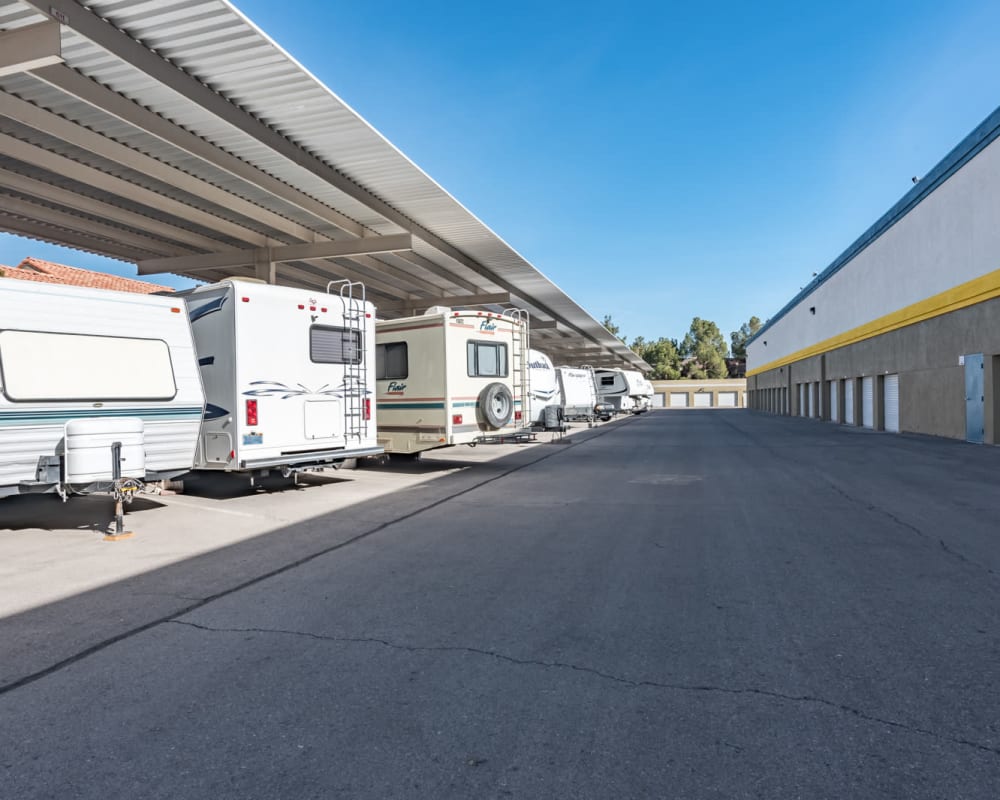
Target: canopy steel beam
{"x":179,"y":238}
{"x":46,"y":159}
{"x":47,"y":233}
{"x":455,"y":301}
{"x":282,"y":253}
{"x":322,"y":277}
{"x":125,"y":109}
{"x":78,"y":136}
{"x":440,"y":271}
{"x":63,"y":219}
{"x":30,"y":47}
{"x":122,"y":46}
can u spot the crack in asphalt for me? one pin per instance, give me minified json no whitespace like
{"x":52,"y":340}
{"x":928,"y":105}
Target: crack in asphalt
{"x":635,"y":684}
{"x":868,"y":506}
{"x":30,"y":678}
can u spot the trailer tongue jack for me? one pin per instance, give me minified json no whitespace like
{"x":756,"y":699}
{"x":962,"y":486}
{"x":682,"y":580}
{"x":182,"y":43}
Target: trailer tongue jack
{"x":124,"y":490}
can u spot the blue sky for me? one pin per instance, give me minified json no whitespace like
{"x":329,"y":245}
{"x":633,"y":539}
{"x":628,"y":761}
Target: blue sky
{"x":658,"y":161}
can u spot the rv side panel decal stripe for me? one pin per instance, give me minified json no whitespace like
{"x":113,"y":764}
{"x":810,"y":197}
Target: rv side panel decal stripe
{"x":393,"y":406}
{"x":63,"y":416}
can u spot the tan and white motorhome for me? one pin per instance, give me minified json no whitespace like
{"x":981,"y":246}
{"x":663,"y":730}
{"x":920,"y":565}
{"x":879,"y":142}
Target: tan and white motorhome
{"x":450,"y":377}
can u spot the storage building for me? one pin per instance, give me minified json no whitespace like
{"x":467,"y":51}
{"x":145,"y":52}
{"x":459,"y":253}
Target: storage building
{"x":902,"y":331}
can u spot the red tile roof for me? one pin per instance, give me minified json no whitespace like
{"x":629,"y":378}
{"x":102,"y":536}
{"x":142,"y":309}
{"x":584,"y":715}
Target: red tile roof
{"x":35,"y":269}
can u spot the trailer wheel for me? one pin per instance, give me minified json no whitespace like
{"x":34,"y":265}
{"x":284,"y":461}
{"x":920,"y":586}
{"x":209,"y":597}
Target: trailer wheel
{"x":496,"y":404}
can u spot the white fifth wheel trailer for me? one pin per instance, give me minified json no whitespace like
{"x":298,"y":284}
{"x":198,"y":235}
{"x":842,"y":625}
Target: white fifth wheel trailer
{"x":450,"y":377}
{"x":288,"y":373}
{"x":100,"y":389}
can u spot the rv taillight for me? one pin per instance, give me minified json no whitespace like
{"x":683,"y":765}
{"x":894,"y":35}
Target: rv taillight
{"x":517,"y":416}
{"x":246,"y":299}
{"x":368,"y":408}
{"x":251,"y":412}
{"x":456,"y":419}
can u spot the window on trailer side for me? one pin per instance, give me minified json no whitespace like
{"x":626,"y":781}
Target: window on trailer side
{"x":391,"y":361}
{"x":39,"y":366}
{"x":330,"y":345}
{"x":486,"y":359}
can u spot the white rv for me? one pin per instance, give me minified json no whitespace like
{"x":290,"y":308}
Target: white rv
{"x":288,"y":373}
{"x":543,"y":390}
{"x":624,"y":389}
{"x":84,"y":370}
{"x":450,"y":377}
{"x":578,"y":394}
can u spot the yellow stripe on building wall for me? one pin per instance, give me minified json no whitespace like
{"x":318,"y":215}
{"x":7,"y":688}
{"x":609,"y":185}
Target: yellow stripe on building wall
{"x":979,"y":290}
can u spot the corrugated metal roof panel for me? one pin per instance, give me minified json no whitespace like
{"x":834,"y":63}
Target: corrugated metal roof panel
{"x":213,"y":42}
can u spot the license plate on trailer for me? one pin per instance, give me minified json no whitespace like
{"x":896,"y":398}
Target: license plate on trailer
{"x":253,"y":438}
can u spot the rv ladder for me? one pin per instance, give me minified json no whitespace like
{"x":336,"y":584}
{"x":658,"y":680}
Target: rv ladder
{"x":352,"y":300}
{"x":519,"y":356}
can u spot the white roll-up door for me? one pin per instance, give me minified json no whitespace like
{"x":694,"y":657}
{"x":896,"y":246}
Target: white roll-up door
{"x":849,"y":401}
{"x":727,"y":399}
{"x":834,"y":407}
{"x":812,"y":400}
{"x":802,"y":399}
{"x":702,"y":399}
{"x":658,"y":401}
{"x":868,"y":401}
{"x":678,"y":399}
{"x":744,"y":400}
{"x":891,"y":392}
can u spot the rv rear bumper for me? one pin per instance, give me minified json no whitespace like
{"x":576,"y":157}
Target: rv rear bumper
{"x":310,"y":459}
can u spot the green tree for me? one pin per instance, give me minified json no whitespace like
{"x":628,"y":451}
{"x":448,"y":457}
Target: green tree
{"x":612,"y":328}
{"x":743,"y":335}
{"x":662,"y":355}
{"x":703,"y":332}
{"x":711,"y":360}
{"x":703,"y":351}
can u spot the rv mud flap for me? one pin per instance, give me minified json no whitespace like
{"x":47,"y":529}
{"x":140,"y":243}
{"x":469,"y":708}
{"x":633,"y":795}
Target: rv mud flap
{"x":318,"y":458}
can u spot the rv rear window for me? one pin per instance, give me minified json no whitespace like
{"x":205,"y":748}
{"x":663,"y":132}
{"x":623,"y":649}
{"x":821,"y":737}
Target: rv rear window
{"x":607,"y":380}
{"x":391,"y":361}
{"x":328,"y":345}
{"x":487,"y":360}
{"x":39,"y":366}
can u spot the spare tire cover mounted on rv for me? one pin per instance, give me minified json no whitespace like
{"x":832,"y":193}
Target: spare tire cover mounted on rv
{"x":496,"y":404}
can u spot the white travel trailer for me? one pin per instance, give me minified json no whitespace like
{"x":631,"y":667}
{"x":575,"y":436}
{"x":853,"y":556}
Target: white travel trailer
{"x":578,"y":394}
{"x":543,"y":390}
{"x":624,"y":389}
{"x":100,"y":389}
{"x":288,"y":374}
{"x":450,"y":377}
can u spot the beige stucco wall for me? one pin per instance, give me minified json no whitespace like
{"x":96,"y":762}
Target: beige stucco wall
{"x":664,"y":389}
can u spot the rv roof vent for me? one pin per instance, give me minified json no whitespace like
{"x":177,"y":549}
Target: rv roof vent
{"x":433,"y":310}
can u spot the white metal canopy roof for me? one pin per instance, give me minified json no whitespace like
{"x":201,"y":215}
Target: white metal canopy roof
{"x":177,"y":135}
